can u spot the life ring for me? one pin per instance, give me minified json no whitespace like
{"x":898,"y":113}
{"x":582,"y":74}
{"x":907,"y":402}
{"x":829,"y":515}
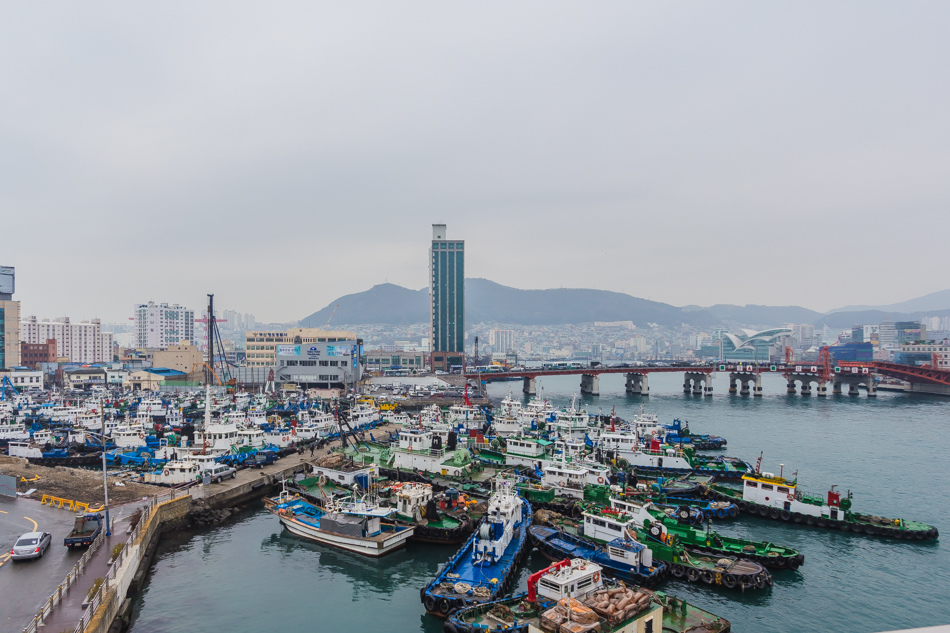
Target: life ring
{"x":600,"y":480}
{"x":165,"y":472}
{"x":791,"y":497}
{"x":286,"y":438}
{"x":596,"y":576}
{"x":409,"y":449}
{"x":293,"y":431}
{"x":141,"y":435}
{"x":561,"y":484}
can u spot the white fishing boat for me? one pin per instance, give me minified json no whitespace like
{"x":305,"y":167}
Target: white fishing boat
{"x":354,"y":525}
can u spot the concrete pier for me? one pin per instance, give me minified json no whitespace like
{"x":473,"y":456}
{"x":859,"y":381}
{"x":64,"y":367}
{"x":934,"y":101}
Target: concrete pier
{"x":530,"y":388}
{"x":697,"y":383}
{"x":590,"y":385}
{"x":638,"y":384}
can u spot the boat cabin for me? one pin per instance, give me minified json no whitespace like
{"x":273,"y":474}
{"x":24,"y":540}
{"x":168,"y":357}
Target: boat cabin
{"x":630,"y":552}
{"x":576,"y":580}
{"x":497,"y":528}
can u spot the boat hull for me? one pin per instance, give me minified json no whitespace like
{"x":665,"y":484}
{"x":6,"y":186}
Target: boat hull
{"x":373,"y":547}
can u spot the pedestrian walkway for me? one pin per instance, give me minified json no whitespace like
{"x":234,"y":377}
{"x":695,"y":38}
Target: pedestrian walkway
{"x":65,"y":616}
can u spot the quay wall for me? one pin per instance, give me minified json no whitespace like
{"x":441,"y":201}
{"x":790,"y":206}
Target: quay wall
{"x":114,"y":591}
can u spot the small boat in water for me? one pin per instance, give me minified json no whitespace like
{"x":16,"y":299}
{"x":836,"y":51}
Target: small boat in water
{"x":351,"y":525}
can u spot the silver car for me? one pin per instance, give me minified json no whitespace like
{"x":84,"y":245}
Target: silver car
{"x":30,"y":545}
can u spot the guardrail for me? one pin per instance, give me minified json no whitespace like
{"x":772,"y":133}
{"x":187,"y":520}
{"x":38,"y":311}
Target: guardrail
{"x":73,"y":576}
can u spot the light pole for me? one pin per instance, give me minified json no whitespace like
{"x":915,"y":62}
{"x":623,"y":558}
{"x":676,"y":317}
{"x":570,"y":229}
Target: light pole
{"x":105,"y":478}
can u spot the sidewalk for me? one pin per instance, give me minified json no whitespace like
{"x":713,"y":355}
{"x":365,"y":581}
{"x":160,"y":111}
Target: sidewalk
{"x":65,"y":616}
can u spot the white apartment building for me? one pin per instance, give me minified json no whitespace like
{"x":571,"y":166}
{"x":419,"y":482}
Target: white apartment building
{"x":82,"y":342}
{"x":158,"y":325}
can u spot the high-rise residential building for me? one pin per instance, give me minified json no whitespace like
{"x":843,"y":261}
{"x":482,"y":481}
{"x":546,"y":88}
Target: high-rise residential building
{"x":501,"y":341}
{"x":82,"y":342}
{"x":159,"y":325}
{"x":886,"y":335}
{"x":9,"y":320}
{"x":447,"y":300}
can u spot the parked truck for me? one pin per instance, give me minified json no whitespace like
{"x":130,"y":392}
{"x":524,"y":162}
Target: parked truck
{"x":85,"y":530}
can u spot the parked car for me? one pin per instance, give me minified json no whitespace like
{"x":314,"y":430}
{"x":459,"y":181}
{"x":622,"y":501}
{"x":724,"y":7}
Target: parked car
{"x":30,"y":545}
{"x":220,"y":472}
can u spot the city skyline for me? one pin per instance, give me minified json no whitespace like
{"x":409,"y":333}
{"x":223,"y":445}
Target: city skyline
{"x":764,"y":154}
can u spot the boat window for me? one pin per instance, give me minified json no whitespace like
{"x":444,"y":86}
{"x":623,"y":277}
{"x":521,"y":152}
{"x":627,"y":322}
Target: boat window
{"x":751,"y":484}
{"x":781,"y":489}
{"x":585,"y":582}
{"x":600,"y":523}
{"x":614,"y":527}
{"x":766,"y":486}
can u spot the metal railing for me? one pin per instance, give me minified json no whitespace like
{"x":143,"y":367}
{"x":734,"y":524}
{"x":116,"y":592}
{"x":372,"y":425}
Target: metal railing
{"x":73,"y":576}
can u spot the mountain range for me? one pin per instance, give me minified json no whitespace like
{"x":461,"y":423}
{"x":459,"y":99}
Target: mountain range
{"x":490,"y":302}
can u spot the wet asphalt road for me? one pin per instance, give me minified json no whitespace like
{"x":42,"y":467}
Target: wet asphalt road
{"x":26,"y":585}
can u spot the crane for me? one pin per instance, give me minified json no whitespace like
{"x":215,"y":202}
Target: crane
{"x":327,"y":326}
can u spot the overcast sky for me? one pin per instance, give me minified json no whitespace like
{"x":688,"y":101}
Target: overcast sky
{"x":283,"y":154}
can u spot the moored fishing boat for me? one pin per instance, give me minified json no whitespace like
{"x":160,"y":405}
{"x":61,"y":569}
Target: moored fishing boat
{"x":604,"y":525}
{"x":707,"y":541}
{"x":775,"y":497}
{"x":353,"y":526}
{"x":573,"y":596}
{"x":621,"y":558}
{"x":486,"y":565}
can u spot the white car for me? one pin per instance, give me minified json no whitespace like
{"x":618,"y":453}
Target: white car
{"x":30,"y":545}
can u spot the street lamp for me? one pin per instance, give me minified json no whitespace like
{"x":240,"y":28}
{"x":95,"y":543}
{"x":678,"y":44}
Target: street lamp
{"x":105,"y":478}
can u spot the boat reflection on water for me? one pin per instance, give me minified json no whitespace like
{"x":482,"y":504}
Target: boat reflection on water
{"x":412,"y":566}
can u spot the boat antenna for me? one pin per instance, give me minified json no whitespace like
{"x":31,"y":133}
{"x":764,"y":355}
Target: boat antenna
{"x":758,"y":463}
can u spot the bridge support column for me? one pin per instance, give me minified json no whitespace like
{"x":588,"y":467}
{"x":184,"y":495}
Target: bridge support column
{"x":757,"y":390}
{"x":590,"y":385}
{"x":637,"y":385}
{"x":687,"y":384}
{"x":806,"y":388}
{"x":853,"y":389}
{"x":822,"y":390}
{"x":744,"y":386}
{"x":708,"y":389}
{"x":732,"y":383}
{"x":791,"y":386}
{"x":872,"y":388}
{"x":530,"y":388}
{"x":836,"y":387}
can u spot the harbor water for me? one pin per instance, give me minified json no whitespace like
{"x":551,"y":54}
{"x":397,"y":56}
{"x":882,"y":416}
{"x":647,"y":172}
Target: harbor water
{"x":249,"y":575}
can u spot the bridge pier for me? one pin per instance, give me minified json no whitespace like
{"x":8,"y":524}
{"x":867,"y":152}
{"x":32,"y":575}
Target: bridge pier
{"x":791,"y":386}
{"x":853,"y":389}
{"x":590,"y":384}
{"x":748,"y":383}
{"x":806,"y":388}
{"x":697,"y":383}
{"x":638,"y":385}
{"x":871,"y":387}
{"x":822,"y":389}
{"x":836,"y":387}
{"x":530,"y":388}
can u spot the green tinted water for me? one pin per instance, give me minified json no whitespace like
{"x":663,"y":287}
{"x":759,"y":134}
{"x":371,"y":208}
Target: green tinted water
{"x":250,"y":576}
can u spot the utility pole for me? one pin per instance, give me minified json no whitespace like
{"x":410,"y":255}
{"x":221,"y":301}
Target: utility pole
{"x":105,"y":478}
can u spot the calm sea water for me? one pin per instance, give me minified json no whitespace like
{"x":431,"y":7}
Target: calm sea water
{"x":250,"y":576}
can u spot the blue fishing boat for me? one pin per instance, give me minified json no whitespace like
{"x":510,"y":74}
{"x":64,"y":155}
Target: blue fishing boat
{"x":622,"y":558}
{"x":485,"y":568}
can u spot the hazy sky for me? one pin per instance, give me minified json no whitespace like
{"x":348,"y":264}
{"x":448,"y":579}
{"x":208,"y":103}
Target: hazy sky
{"x":282,"y":154}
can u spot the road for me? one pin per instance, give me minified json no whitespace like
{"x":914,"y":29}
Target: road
{"x":25,"y":585}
